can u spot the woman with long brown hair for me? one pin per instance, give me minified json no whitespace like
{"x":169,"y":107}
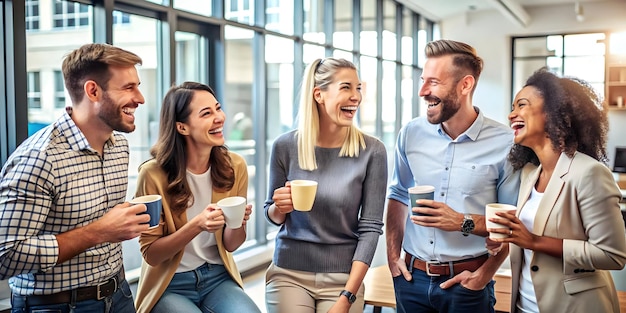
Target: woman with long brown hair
{"x":188,"y":266}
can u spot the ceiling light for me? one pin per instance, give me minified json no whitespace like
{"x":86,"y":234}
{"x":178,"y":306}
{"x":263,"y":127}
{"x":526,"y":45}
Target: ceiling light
{"x":580,"y":14}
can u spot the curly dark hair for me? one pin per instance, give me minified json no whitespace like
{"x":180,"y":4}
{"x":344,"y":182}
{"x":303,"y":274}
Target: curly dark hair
{"x":576,"y":118}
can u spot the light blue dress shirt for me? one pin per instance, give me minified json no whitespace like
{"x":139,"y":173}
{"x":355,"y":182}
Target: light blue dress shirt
{"x":468,"y":172}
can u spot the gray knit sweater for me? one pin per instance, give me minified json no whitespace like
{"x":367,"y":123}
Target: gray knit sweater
{"x":346,"y":219}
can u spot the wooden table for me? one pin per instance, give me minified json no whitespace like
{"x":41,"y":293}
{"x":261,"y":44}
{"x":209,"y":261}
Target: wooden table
{"x":379,"y":288}
{"x":502,"y":290}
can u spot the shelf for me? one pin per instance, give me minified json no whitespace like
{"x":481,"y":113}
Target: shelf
{"x":615,"y":82}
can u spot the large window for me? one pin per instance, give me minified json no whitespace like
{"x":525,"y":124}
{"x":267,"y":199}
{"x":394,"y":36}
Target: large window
{"x":580,"y":55}
{"x":238,"y":102}
{"x":147,"y":115}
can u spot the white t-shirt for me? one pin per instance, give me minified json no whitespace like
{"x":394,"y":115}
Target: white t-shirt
{"x":527,"y":300}
{"x":203,"y":248}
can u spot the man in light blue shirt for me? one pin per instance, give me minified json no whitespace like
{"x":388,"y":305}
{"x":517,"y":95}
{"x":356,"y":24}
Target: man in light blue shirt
{"x":463,"y":154}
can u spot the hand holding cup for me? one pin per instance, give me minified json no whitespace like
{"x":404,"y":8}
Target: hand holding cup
{"x":234,"y":210}
{"x":490,"y":213}
{"x":303,"y":194}
{"x":420,"y":192}
{"x":153,"y":207}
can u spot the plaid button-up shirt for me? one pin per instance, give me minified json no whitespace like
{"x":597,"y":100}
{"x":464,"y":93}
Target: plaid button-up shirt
{"x":55,"y":182}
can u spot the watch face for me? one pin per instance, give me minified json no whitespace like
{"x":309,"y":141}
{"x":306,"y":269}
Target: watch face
{"x":468,"y":225}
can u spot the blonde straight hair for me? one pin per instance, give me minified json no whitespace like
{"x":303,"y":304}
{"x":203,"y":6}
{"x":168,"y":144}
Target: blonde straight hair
{"x":321,"y":73}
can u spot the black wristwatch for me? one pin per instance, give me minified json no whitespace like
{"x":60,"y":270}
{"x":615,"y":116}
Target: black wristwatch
{"x":351,"y":297}
{"x":468,"y":225}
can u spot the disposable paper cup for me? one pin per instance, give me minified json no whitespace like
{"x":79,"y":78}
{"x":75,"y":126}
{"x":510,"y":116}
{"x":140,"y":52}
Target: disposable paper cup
{"x":490,"y":212}
{"x":303,"y":194}
{"x":153,"y":205}
{"x":234,"y":209}
{"x":420,"y":192}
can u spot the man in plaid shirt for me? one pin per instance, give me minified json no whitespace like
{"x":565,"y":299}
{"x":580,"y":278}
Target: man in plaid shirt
{"x":62,"y":210}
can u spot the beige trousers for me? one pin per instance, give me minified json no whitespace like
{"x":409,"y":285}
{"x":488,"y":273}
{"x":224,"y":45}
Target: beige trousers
{"x":289,"y":291}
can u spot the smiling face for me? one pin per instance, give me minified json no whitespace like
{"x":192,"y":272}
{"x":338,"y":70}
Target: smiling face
{"x":341,"y":99}
{"x":439,"y":89}
{"x":119,"y":101}
{"x":204,"y":127}
{"x":528,"y":119}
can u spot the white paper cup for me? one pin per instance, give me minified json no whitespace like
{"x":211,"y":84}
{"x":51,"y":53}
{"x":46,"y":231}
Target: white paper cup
{"x":153,"y":205}
{"x":490,"y":212}
{"x":234,"y":209}
{"x":303,"y":194}
{"x":420,"y":192}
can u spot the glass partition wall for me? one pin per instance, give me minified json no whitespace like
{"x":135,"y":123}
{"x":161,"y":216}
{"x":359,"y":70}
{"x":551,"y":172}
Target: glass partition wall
{"x":252,"y":52}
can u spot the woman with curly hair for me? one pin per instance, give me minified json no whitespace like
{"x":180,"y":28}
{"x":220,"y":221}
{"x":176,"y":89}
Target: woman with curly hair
{"x":568,"y":231}
{"x":187,"y":261}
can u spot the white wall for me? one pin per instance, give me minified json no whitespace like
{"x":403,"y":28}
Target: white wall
{"x":490,"y":33}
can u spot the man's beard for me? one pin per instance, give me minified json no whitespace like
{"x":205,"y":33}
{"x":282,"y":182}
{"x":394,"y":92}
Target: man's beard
{"x":449,"y":106}
{"x":112,"y":116}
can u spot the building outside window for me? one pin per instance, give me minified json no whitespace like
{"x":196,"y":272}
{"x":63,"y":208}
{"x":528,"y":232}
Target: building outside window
{"x":240,"y":11}
{"x":120,"y":18}
{"x":34,"y":90}
{"x":71,"y":15}
{"x":32,"y":14}
{"x":59,"y":90}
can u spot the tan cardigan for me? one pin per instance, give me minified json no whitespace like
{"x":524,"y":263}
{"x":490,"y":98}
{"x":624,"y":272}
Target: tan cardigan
{"x":155,"y":279}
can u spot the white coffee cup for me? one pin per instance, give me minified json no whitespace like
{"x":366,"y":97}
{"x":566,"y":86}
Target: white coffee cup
{"x":234,"y":209}
{"x":490,"y":212}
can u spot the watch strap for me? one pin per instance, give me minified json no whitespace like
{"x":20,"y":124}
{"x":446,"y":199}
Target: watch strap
{"x":351,"y":297}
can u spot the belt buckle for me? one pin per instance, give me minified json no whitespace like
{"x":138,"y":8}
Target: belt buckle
{"x":428,"y":264}
{"x":99,"y":295}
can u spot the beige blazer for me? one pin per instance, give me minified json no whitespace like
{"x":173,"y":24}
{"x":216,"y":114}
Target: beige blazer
{"x":154,"y":279}
{"x":581,"y":206}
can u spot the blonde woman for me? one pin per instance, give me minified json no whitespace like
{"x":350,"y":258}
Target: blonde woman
{"x":321,"y":256}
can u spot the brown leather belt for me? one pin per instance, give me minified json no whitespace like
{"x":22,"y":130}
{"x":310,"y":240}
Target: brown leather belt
{"x":98,"y":292}
{"x":435,"y":268}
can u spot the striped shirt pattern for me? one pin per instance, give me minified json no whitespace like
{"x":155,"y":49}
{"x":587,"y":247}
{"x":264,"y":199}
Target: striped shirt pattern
{"x":55,"y":182}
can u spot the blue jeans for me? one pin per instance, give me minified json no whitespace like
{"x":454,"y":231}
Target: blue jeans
{"x":207,"y":289}
{"x":120,"y":302}
{"x":423,"y":294}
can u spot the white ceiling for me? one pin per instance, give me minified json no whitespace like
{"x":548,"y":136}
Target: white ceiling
{"x":440,"y":9}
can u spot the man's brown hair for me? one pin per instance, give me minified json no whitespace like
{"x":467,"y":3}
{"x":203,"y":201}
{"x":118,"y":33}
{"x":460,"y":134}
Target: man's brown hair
{"x":91,"y":62}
